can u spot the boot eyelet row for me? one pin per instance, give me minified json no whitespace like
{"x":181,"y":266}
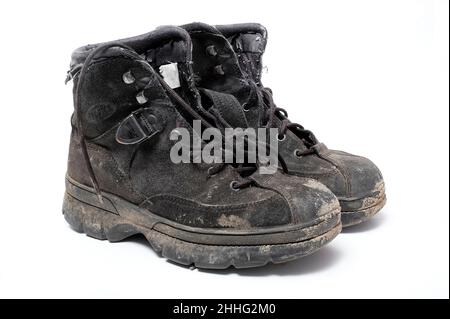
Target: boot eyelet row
{"x":128,"y":78}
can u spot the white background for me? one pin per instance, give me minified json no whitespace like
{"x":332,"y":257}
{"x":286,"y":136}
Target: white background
{"x":369,"y":77}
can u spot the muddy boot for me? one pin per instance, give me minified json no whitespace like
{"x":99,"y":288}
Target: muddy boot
{"x":228,"y":59}
{"x":121,"y":180}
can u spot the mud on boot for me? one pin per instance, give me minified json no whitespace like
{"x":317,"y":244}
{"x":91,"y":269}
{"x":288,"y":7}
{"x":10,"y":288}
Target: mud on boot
{"x":236,"y":51}
{"x":121,"y":180}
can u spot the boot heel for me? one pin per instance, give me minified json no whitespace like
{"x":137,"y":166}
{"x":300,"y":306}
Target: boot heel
{"x":85,"y":218}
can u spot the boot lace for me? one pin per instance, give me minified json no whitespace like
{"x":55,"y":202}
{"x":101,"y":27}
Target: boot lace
{"x":82,"y":71}
{"x":265,"y":98}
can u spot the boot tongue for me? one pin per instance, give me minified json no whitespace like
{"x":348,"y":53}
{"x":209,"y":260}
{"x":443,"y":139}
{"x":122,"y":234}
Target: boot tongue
{"x":216,"y":67}
{"x":215,"y":64}
{"x":249,"y":42}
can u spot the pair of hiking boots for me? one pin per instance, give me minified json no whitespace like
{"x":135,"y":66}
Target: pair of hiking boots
{"x":131,"y":95}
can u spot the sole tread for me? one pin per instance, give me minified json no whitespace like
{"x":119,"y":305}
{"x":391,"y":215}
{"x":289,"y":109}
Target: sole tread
{"x":100,"y":224}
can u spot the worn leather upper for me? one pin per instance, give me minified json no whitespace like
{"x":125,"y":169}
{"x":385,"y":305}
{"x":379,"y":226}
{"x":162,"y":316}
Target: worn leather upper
{"x":239,"y":50}
{"x":143,"y":172}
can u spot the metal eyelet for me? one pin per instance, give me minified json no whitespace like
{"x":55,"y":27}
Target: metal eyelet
{"x":141,"y":98}
{"x":128,"y":78}
{"x":245,"y":107}
{"x":211,"y":50}
{"x":233,"y":186}
{"x":298,"y":153}
{"x":281,"y":138}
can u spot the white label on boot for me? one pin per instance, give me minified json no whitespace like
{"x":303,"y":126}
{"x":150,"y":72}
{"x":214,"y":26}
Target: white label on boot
{"x":170,"y":74}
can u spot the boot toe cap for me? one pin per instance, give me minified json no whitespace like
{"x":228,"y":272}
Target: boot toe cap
{"x":364,"y":181}
{"x":308,"y":200}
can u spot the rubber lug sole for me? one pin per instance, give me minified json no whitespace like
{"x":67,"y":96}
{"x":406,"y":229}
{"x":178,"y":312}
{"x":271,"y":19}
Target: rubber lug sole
{"x":357,"y":217}
{"x":102,"y":224}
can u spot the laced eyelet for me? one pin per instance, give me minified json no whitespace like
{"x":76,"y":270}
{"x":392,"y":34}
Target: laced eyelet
{"x":233,"y":186}
{"x":141,"y":98}
{"x":211,"y":50}
{"x":246,"y":107}
{"x":298,"y":153}
{"x":281,"y":137}
{"x":128,"y":78}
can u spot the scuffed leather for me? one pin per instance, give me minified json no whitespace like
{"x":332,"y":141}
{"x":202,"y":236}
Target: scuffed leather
{"x":348,"y":176}
{"x":143,"y":173}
